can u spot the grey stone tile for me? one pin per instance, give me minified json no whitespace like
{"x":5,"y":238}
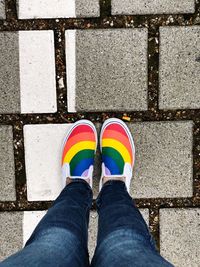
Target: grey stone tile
{"x":7,"y":168}
{"x":132,"y":7}
{"x":87,"y":8}
{"x":11,"y":233}
{"x":2,"y":9}
{"x":9,"y":73}
{"x":180,"y":67}
{"x":180,"y":236}
{"x":111,"y":70}
{"x":92,"y":233}
{"x":163,"y":166}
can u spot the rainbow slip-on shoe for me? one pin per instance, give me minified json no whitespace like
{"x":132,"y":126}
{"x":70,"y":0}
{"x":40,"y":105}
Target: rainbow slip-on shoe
{"x":78,"y":151}
{"x":118,"y":151}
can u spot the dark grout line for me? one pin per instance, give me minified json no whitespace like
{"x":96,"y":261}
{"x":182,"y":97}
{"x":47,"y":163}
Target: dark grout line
{"x":154,"y":225}
{"x":20,"y":176}
{"x":105,"y":8}
{"x":196,"y":159}
{"x":59,"y":39}
{"x":11,"y":10}
{"x":149,"y":203}
{"x":153,"y":68}
{"x":64,"y":117}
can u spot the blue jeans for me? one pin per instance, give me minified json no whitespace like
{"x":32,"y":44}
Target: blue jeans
{"x":61,"y":237}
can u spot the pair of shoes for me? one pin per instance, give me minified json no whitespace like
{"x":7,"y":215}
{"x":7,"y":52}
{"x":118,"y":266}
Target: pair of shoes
{"x":117,"y":150}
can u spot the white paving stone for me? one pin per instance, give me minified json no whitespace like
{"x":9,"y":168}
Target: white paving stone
{"x":43,"y":160}
{"x":30,"y":221}
{"x":37,"y":72}
{"x":46,"y":9}
{"x":180,"y":236}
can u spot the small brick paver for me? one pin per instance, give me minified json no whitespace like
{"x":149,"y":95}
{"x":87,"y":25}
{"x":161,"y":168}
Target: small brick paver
{"x":179,"y":67}
{"x":134,"y":7}
{"x":43,"y":160}
{"x":164,"y":162}
{"x":7,"y":167}
{"x":180,"y":236}
{"x":2,"y":9}
{"x":34,"y":9}
{"x":37,"y":72}
{"x":118,"y":81}
{"x":9,"y":73}
{"x":10,"y":232}
{"x":22,"y":225}
{"x":27,"y":72}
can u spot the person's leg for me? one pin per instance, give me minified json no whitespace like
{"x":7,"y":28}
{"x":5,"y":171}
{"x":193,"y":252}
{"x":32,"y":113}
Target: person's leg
{"x":123,"y":236}
{"x":60,"y":239}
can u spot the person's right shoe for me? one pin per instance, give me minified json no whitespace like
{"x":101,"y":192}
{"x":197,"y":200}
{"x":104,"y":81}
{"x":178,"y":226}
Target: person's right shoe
{"x":118,"y":151}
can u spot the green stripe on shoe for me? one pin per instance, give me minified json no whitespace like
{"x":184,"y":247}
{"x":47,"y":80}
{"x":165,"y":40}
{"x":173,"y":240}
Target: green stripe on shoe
{"x":115,"y":155}
{"x":83,"y":154}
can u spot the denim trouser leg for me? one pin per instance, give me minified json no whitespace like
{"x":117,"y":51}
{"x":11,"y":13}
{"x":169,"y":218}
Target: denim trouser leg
{"x":123,"y":237}
{"x":60,"y":239}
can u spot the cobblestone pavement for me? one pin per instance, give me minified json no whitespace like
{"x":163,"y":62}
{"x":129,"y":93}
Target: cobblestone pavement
{"x":139,"y":60}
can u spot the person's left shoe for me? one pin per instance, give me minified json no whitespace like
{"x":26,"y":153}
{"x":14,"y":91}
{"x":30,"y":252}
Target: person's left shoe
{"x":79,"y":151}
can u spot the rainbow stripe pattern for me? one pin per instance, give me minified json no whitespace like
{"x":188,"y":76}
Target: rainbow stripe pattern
{"x":79,"y":150}
{"x":116,"y":148}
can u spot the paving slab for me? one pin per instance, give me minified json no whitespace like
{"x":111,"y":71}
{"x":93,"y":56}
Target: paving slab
{"x":43,"y":145}
{"x":37,"y":72}
{"x":34,"y":9}
{"x":164,"y":163}
{"x":9,"y":73}
{"x":180,"y":236}
{"x":11,"y":233}
{"x":2,"y":9}
{"x":179,"y":67}
{"x":7,"y":166}
{"x":22,"y":224}
{"x":27,"y":72}
{"x":142,"y":7}
{"x":118,"y":81}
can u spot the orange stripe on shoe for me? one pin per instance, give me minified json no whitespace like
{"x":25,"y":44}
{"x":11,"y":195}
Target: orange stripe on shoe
{"x":86,"y":136}
{"x":119,"y":137}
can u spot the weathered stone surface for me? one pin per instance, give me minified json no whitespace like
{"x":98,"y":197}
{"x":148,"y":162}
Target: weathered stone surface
{"x":43,"y":168}
{"x":9,"y":73}
{"x":134,"y":7}
{"x":179,"y":67}
{"x":118,"y":81}
{"x":164,"y":162}
{"x":11,"y":233}
{"x":180,"y":236}
{"x":2,"y":9}
{"x":37,"y":72}
{"x":7,"y":167}
{"x":87,"y":8}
